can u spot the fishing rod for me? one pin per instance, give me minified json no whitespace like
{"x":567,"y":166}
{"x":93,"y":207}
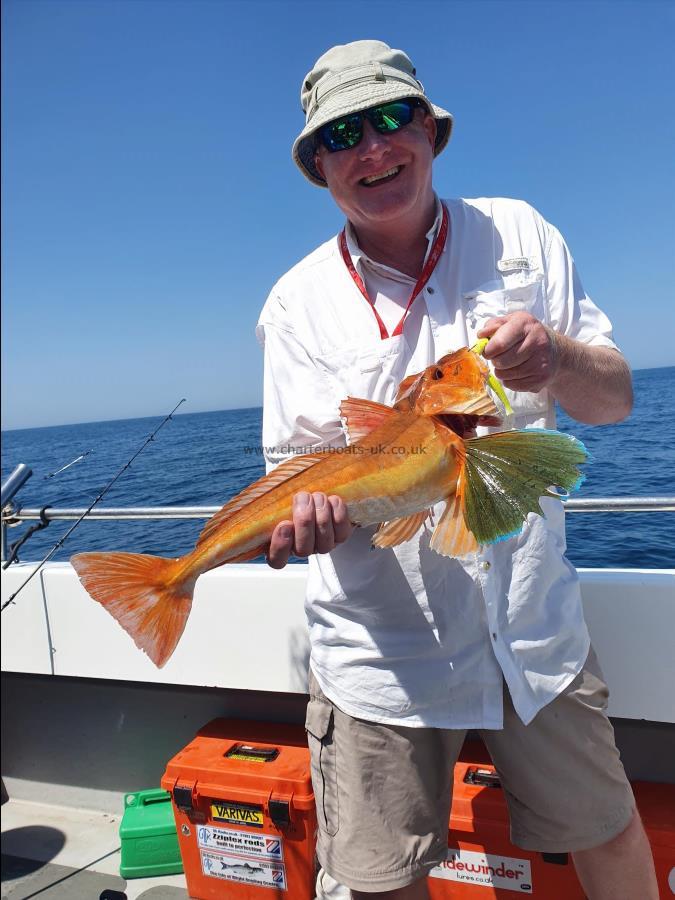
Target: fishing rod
{"x":68,"y":465}
{"x":44,"y":521}
{"x":102,"y":494}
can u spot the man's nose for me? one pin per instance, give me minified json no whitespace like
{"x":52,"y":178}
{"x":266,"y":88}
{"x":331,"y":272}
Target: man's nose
{"x":373,"y":145}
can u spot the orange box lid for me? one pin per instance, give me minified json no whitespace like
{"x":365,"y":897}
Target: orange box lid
{"x":476,"y":803}
{"x":237,"y":759}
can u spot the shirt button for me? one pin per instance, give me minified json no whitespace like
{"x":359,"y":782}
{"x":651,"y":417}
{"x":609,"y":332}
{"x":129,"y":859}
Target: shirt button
{"x":430,"y":290}
{"x":485,"y":565}
{"x":494,"y":635}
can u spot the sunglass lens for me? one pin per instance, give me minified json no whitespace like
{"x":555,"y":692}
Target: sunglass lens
{"x":345,"y":133}
{"x":392,"y":116}
{"x":342,"y":133}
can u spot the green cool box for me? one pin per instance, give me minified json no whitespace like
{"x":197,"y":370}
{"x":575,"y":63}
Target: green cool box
{"x":148,"y":835}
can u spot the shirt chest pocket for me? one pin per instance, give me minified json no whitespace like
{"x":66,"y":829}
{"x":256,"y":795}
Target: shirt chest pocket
{"x":519,"y":292}
{"x":373,"y":373}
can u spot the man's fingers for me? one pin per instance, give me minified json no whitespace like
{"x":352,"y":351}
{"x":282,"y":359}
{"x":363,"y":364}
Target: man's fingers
{"x":324,"y":534}
{"x":490,"y":327}
{"x":281,"y":545}
{"x":518,"y":357}
{"x":522,"y":352}
{"x":319,"y":524}
{"x":342,"y":527}
{"x":533,"y":362}
{"x":530,"y":383}
{"x":303,"y":523}
{"x":509,"y":333}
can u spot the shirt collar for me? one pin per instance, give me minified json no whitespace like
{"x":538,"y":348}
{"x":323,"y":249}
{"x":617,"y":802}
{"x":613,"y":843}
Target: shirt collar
{"x":360,"y":259}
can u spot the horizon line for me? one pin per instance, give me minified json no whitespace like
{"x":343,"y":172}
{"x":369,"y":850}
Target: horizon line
{"x":197,"y":412}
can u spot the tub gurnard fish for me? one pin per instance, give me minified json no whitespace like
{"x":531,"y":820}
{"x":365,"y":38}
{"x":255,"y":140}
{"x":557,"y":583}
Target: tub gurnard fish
{"x":399,"y":462}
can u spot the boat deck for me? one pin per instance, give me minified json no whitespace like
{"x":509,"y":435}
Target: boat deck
{"x":61,"y":853}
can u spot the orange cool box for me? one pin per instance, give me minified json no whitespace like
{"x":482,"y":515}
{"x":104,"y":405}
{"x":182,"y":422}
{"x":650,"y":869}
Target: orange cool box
{"x":244,"y":808}
{"x":246,"y":823}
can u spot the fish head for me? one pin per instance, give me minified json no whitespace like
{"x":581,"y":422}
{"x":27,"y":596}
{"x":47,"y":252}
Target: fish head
{"x":458,"y":384}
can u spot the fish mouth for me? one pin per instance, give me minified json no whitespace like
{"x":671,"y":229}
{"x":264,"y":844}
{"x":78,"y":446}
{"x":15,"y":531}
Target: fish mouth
{"x":381,"y":177}
{"x":465,"y":426}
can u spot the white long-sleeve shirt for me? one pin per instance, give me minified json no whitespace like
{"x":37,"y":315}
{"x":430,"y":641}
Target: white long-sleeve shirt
{"x":406,"y":636}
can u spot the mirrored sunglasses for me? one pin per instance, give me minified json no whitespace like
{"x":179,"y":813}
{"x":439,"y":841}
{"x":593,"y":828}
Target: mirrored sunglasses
{"x":347,"y":132}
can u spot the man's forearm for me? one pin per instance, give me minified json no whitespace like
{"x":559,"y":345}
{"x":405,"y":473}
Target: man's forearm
{"x":592,"y":384}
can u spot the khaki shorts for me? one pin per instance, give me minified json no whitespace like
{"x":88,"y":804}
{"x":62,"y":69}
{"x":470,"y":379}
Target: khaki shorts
{"x":383,"y":792}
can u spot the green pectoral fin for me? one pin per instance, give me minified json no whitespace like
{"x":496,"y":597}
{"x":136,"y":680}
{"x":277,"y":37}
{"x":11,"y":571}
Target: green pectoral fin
{"x":507,"y":473}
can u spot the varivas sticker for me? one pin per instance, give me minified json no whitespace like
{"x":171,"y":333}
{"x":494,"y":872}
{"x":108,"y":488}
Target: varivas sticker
{"x":485,"y":869}
{"x":239,"y":813}
{"x":265,"y":846}
{"x":244,"y":870}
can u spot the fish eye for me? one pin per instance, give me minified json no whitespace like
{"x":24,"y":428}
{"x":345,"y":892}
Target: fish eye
{"x":437,"y":374}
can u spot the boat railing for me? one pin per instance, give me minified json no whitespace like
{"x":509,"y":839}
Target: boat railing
{"x":15,"y":515}
{"x":573,"y":504}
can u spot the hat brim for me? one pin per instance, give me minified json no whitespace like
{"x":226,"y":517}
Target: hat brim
{"x":354,"y":99}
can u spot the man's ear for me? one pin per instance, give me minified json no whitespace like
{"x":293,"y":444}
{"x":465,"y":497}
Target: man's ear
{"x":431,"y":128}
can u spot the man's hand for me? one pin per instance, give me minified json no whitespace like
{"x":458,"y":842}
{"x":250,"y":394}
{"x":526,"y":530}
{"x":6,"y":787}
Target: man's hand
{"x":522,"y":350}
{"x":592,"y":383}
{"x":319,"y":524}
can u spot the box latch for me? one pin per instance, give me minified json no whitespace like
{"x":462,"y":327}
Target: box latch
{"x":182,"y":797}
{"x":558,"y":859}
{"x":280,"y":813}
{"x":482,"y":778}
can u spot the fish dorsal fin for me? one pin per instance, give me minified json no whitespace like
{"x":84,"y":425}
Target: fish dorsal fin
{"x":389,"y":534}
{"x":506,"y":473}
{"x":259,"y":488}
{"x":405,"y":386}
{"x":363,"y":416}
{"x":451,"y":537}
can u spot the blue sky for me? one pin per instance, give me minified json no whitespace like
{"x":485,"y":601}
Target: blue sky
{"x":149,"y":200}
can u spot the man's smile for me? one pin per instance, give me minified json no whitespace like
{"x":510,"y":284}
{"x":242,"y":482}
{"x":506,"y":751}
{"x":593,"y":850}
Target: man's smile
{"x":381,"y":177}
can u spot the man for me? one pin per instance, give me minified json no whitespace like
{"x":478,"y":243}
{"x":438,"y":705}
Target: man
{"x":409,"y":648}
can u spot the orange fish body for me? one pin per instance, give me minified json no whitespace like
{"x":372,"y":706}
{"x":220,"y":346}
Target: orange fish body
{"x":406,"y":465}
{"x":400,"y":462}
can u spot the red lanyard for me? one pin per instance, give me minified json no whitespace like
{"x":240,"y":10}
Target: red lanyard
{"x":429,"y":267}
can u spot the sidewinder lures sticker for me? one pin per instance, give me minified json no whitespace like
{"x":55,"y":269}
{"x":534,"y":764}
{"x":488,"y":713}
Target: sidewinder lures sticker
{"x":486,"y":869}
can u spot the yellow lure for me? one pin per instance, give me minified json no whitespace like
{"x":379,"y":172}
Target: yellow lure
{"x":493,"y":381}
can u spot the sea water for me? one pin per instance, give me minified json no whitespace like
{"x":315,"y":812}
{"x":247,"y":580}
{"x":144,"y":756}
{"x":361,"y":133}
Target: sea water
{"x":203,"y":459}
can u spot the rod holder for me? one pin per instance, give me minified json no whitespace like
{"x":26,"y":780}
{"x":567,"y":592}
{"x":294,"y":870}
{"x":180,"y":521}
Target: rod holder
{"x":14,"y":483}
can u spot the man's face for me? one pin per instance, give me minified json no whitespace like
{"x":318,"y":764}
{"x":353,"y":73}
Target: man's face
{"x":403,"y":157}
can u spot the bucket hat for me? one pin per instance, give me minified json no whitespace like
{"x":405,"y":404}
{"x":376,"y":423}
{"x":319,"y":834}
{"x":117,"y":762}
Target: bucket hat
{"x":349,"y":78}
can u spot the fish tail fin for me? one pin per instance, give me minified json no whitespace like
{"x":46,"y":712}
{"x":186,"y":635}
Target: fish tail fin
{"x":144,"y":593}
{"x":504,"y":475}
